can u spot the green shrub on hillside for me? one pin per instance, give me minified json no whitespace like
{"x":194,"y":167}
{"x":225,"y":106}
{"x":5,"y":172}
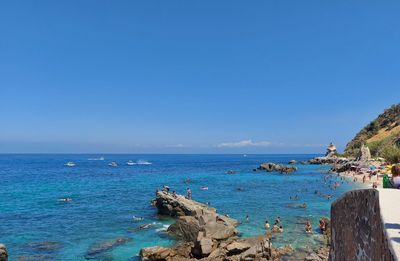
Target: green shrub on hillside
{"x":376,"y":147}
{"x":391,"y":154}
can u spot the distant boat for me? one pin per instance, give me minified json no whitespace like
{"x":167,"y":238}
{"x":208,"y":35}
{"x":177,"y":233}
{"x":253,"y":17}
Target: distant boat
{"x":244,"y":155}
{"x":70,"y":164}
{"x":113,"y":164}
{"x":130,"y":163}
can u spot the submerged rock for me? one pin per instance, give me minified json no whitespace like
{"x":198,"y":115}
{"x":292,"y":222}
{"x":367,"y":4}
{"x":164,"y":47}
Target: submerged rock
{"x":36,"y":257}
{"x":46,"y":246}
{"x":141,"y":227}
{"x":104,"y":246}
{"x":304,"y":205}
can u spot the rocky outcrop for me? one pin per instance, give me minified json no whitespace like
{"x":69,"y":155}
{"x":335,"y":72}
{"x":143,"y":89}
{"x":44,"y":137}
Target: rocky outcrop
{"x":273,"y":167}
{"x":357,"y":228}
{"x":3,"y":253}
{"x":234,"y":249}
{"x":328,"y":160}
{"x":204,"y":234}
{"x":194,"y":217}
{"x":364,"y":154}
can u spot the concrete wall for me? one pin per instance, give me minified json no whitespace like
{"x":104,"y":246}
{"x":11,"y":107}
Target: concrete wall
{"x":357,"y":228}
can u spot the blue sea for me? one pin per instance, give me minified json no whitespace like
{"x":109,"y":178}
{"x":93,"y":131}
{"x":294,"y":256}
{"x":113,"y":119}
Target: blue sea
{"x":36,"y":225}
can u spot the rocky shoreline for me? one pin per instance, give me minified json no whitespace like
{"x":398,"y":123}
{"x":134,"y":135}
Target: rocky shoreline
{"x":204,"y":234}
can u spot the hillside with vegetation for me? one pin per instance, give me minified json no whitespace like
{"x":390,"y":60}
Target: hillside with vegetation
{"x":381,"y":136}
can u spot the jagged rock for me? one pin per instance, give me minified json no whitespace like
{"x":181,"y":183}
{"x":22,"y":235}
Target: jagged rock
{"x":272,"y":167}
{"x":312,"y":257}
{"x":237,"y":248}
{"x":331,"y":150}
{"x":3,"y":253}
{"x":249,"y":254}
{"x":292,"y":162}
{"x":217,"y":254}
{"x":186,"y":228}
{"x":199,"y":217}
{"x":208,"y":235}
{"x":364,"y":154}
{"x":155,"y":253}
{"x":203,"y":245}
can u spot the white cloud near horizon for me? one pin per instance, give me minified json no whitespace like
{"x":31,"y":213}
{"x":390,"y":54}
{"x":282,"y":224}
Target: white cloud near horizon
{"x":244,"y":143}
{"x":250,"y":143}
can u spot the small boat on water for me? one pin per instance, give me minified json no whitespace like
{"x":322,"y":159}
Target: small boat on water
{"x":130,"y":163}
{"x":70,"y":164}
{"x":113,"y":164}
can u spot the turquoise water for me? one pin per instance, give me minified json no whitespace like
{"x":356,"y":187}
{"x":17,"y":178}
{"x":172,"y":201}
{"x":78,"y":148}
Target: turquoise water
{"x":105,"y":199}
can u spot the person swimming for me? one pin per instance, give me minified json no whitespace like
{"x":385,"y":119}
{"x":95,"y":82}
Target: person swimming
{"x":266,"y":225}
{"x":280,"y":229}
{"x":308,"y":227}
{"x":247,"y":218}
{"x":135,"y":218}
{"x":275,"y":228}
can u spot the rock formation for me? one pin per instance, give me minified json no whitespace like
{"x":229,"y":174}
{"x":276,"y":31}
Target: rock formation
{"x":3,"y":253}
{"x":364,"y":154}
{"x":331,"y":150}
{"x":272,"y":167}
{"x":204,"y":234}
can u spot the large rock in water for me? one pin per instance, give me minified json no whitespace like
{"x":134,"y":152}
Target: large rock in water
{"x":272,"y":167}
{"x":194,"y":217}
{"x":206,"y":235}
{"x":3,"y":253}
{"x":185,"y":228}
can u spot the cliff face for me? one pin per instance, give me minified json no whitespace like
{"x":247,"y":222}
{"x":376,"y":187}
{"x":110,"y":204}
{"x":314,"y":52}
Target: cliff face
{"x":357,"y":228}
{"x":382,"y":136}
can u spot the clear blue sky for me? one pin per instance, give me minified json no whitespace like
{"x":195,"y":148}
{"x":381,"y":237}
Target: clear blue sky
{"x":194,"y":76}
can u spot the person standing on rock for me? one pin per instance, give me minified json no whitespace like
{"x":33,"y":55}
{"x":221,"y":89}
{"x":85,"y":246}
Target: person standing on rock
{"x":189,"y":193}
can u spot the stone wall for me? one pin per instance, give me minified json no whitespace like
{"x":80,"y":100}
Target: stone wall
{"x":357,"y":228}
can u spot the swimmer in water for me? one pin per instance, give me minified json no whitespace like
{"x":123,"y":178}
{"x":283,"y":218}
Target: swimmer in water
{"x":308,"y":227}
{"x":135,"y":218}
{"x":267,"y":226}
{"x":280,"y":229}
